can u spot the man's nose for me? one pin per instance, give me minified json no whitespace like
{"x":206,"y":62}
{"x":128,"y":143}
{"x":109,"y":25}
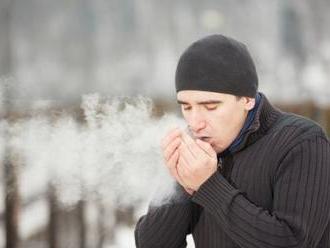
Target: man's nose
{"x":197,"y":122}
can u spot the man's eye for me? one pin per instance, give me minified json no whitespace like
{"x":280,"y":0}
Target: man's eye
{"x":186,"y":107}
{"x":211,"y":106}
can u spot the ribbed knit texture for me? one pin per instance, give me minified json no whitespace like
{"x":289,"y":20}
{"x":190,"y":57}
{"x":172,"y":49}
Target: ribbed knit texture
{"x":274,"y":191}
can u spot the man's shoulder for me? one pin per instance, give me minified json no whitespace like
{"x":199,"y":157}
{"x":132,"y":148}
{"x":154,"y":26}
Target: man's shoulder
{"x":297,"y":126}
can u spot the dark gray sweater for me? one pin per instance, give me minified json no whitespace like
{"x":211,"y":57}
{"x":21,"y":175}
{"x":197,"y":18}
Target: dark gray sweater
{"x":273,"y":191}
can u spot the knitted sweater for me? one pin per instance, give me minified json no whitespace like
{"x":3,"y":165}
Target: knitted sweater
{"x":272,"y":192}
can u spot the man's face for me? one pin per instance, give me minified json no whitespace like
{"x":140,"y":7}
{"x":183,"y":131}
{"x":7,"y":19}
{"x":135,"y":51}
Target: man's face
{"x":216,"y":118}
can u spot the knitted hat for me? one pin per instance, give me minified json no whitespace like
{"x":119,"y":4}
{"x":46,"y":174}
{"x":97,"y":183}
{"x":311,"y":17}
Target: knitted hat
{"x":219,"y":64}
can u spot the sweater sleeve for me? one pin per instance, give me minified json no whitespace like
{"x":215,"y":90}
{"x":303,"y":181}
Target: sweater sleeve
{"x":301,"y":202}
{"x":166,"y":226}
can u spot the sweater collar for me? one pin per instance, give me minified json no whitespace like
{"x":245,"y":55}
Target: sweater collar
{"x":257,"y":123}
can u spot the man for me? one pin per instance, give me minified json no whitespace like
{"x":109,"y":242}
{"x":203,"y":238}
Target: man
{"x":251,"y":176}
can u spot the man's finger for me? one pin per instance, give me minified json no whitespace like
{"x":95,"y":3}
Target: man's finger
{"x":207,"y":148}
{"x":183,"y":170}
{"x":186,"y":154}
{"x":172,"y":167}
{"x":169,"y":150}
{"x":192,"y":146}
{"x":172,"y":163}
{"x":176,"y":132}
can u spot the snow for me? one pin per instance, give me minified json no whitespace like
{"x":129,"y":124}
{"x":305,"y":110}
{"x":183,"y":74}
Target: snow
{"x":33,"y":218}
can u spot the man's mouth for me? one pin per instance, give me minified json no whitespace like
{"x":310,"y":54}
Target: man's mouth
{"x":204,"y":138}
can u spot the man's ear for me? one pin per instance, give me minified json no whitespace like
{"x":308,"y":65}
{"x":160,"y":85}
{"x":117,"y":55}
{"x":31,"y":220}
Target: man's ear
{"x":249,"y":103}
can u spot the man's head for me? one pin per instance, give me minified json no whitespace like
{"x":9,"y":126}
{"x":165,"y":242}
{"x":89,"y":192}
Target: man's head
{"x":216,"y":83}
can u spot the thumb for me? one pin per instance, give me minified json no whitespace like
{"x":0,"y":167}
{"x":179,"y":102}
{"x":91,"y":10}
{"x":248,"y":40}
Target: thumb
{"x":206,"y":147}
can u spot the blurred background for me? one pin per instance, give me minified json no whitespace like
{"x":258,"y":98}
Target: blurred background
{"x":87,"y":90}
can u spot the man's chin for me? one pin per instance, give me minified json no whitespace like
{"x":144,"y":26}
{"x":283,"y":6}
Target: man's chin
{"x":217,"y":149}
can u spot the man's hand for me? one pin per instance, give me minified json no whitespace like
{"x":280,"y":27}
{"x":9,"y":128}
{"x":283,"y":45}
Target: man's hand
{"x":170,"y":145}
{"x":197,"y":161}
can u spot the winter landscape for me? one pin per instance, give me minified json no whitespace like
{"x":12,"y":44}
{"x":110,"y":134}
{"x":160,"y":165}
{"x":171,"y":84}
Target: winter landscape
{"x":87,"y":93}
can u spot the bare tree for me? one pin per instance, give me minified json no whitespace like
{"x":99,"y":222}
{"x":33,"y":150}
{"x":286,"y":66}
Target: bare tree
{"x":81,"y":207}
{"x":10,"y":170}
{"x":53,"y":224}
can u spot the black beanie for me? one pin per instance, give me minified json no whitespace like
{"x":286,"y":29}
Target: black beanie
{"x":219,"y":64}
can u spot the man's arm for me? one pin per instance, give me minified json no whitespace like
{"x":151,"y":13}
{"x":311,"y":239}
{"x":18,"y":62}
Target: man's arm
{"x":166,"y":226}
{"x":301,"y":202}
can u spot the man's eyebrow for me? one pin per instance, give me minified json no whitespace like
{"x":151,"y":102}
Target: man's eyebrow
{"x":202,"y":102}
{"x":182,"y":102}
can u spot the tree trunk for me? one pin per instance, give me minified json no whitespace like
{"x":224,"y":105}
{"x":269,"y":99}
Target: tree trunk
{"x":53,"y":230}
{"x":101,"y":229}
{"x":82,"y":223}
{"x":10,"y":170}
{"x":11,"y":202}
